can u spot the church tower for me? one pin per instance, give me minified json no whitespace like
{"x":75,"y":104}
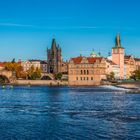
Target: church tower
{"x":118,"y":55}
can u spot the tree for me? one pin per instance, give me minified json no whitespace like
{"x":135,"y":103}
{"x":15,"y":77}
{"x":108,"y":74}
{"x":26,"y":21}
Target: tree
{"x":30,"y":73}
{"x":58,"y":76}
{"x":15,"y":68}
{"x":9,"y":66}
{"x":38,"y":73}
{"x":111,"y":76}
{"x":33,"y":73}
{"x":136,"y":75}
{"x":2,"y":80}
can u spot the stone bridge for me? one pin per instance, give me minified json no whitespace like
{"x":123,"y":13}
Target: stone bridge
{"x":7,"y":74}
{"x":47,"y":75}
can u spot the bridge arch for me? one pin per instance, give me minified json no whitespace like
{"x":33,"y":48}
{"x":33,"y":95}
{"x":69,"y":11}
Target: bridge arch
{"x":4,"y":79}
{"x":6,"y":76}
{"x":47,"y":76}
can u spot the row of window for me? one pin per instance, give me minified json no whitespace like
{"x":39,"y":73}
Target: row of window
{"x":82,"y":72}
{"x":84,"y":78}
{"x":87,"y":72}
{"x":82,"y":66}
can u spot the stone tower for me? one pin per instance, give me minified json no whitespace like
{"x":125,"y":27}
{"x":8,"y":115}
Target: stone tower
{"x":118,"y":55}
{"x":54,"y":58}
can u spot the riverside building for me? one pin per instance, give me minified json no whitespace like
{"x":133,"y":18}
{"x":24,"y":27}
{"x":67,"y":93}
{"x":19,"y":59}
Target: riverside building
{"x":86,"y":71}
{"x":92,"y":70}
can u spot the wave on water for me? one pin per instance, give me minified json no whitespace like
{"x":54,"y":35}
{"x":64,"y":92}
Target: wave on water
{"x":116,"y":88}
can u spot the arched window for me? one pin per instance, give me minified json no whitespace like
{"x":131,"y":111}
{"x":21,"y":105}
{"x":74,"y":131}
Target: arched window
{"x":87,"y":72}
{"x":84,"y":71}
{"x":81,"y":72}
{"x":91,"y":78}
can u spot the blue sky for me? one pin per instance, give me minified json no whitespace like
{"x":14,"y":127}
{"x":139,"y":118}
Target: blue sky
{"x":79,"y":26}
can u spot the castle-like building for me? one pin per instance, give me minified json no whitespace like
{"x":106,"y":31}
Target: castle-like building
{"x":55,"y":63}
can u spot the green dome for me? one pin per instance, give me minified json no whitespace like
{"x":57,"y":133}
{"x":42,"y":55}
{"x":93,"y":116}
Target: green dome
{"x":93,"y":53}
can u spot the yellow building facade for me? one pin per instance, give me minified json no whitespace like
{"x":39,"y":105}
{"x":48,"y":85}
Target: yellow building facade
{"x":86,"y":71}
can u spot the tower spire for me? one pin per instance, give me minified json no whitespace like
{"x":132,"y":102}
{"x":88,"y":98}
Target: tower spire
{"x":53,"y":44}
{"x":118,"y":41}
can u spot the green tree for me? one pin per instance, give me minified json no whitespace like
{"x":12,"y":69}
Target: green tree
{"x":136,"y":75}
{"x":33,"y":73}
{"x":38,"y":73}
{"x":58,"y":76}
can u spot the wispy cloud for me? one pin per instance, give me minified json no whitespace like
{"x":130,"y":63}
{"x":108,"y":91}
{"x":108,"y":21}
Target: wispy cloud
{"x":15,"y":25}
{"x":48,"y":27}
{"x":66,"y":27}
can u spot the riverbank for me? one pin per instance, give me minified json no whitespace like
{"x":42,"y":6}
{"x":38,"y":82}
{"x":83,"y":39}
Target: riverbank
{"x":41,"y":82}
{"x":132,"y":85}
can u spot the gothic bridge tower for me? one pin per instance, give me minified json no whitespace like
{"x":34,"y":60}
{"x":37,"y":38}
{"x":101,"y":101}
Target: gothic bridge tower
{"x":54,"y":58}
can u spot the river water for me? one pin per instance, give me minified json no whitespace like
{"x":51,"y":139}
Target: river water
{"x":66,"y":113}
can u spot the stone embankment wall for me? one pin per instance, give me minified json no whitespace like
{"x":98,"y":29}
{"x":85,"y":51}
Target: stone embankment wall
{"x":41,"y":82}
{"x":130,"y":85}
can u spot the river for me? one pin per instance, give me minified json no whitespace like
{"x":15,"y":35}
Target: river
{"x":68,"y":113}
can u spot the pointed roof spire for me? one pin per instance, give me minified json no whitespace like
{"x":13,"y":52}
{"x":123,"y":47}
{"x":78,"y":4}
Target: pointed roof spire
{"x":53,"y":44}
{"x":99,"y":54}
{"x":118,"y":41}
{"x":109,"y":53}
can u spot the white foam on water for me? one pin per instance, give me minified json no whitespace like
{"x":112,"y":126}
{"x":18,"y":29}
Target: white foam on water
{"x":116,"y":88}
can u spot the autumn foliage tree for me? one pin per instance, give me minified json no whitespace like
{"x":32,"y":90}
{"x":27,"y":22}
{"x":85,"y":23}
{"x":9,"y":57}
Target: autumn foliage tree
{"x":16,"y":68}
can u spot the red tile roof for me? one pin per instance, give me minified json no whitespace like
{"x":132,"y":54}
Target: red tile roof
{"x":91,"y":60}
{"x":1,"y":64}
{"x":94,"y":59}
{"x":77,"y":60}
